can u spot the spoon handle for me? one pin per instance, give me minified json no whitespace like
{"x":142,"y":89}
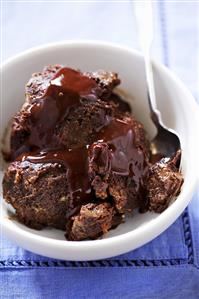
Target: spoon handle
{"x":144,"y":18}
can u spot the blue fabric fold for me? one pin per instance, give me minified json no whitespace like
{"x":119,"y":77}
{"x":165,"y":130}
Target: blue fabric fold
{"x":162,"y":248}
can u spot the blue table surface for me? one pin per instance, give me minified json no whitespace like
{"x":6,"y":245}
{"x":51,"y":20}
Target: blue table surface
{"x":169,"y":265}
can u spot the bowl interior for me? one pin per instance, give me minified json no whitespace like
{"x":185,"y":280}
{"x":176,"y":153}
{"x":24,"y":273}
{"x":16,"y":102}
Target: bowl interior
{"x":130,"y":67}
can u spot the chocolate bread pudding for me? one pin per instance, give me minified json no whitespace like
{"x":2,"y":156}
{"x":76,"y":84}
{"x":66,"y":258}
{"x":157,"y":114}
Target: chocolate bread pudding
{"x":80,"y":161}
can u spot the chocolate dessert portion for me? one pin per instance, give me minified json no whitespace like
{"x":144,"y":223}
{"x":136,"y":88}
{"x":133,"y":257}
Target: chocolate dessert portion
{"x":164,"y":183}
{"x":64,"y":108}
{"x":37,"y":191}
{"x":92,"y":221}
{"x":79,"y":159}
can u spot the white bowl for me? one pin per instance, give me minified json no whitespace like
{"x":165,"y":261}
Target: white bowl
{"x":179,"y":111}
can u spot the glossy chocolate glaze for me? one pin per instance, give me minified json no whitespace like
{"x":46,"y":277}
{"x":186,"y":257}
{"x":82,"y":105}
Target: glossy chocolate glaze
{"x":68,"y":89}
{"x":123,"y":158}
{"x":76,"y":164}
{"x":126,"y":159}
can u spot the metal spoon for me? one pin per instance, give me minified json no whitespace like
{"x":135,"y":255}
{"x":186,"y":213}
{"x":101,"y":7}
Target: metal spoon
{"x":166,"y":141}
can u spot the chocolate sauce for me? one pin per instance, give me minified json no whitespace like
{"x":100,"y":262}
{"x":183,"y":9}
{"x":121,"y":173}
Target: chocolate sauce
{"x":126,"y":158}
{"x":76,"y":165}
{"x":67,"y":89}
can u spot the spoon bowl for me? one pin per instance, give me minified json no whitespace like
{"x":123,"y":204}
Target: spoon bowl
{"x":167,"y":141}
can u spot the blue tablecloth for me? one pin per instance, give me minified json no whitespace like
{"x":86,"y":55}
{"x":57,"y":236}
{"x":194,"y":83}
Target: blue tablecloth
{"x":167,"y":267}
